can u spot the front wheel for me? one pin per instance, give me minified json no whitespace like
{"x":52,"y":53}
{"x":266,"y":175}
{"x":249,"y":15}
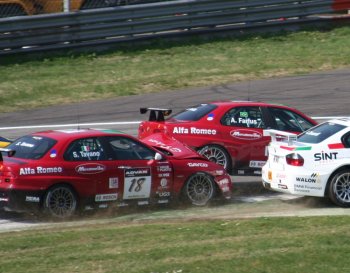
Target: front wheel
{"x":217,"y":155}
{"x":199,"y":189}
{"x":60,"y":202}
{"x":339,"y":188}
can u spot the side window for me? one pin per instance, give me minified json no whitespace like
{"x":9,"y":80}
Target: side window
{"x":85,"y":149}
{"x":287,"y":120}
{"x":248,"y":117}
{"x":123,"y":148}
{"x":346,"y":140}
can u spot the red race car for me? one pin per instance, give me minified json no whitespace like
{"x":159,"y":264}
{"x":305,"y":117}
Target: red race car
{"x":61,"y":172}
{"x":229,"y":133}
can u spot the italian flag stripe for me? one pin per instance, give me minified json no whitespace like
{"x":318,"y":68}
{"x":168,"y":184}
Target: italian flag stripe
{"x":336,"y":146}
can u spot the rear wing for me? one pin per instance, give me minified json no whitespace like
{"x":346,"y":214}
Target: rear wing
{"x":156,"y":114}
{"x":277,"y":135}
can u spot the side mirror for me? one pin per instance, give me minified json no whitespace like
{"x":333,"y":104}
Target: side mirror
{"x":158,"y":156}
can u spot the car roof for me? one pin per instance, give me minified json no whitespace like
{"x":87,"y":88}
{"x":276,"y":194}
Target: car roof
{"x":246,"y":102}
{"x":77,"y":133}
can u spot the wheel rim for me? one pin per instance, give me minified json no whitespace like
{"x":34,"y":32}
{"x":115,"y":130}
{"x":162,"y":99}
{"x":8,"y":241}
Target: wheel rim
{"x":61,"y":202}
{"x":214,"y":154}
{"x":341,"y":187}
{"x":200,"y":189}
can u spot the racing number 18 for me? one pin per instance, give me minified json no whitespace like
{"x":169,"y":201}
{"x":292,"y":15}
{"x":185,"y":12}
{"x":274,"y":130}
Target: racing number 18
{"x":136,"y":184}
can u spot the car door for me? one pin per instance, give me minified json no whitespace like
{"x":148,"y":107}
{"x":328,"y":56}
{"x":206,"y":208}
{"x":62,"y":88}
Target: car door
{"x":243,"y":126}
{"x":87,"y":164}
{"x":141,"y":178}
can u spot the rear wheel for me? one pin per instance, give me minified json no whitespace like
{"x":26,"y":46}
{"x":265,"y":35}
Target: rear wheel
{"x":339,"y":188}
{"x":217,"y":155}
{"x":60,"y":202}
{"x":199,"y":189}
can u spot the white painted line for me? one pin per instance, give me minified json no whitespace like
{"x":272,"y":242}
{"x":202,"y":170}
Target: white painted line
{"x":70,"y":125}
{"x":331,"y":117}
{"x":76,"y":125}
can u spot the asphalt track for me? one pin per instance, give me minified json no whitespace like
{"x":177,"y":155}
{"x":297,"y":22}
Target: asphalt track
{"x":317,"y":94}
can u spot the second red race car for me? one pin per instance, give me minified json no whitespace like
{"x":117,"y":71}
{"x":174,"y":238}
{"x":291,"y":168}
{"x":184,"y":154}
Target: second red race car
{"x":229,"y":133}
{"x":61,"y":172}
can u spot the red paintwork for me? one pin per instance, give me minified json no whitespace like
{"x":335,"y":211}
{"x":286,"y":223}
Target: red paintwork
{"x":244,"y":145}
{"x":22,"y":179}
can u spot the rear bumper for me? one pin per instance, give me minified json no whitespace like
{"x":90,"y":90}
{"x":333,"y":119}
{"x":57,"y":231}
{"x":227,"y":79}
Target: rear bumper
{"x":18,"y":200}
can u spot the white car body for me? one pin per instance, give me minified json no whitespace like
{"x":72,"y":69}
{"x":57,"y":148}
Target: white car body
{"x":316,"y":163}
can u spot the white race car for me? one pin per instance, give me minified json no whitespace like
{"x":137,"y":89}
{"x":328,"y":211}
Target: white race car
{"x":314,"y":163}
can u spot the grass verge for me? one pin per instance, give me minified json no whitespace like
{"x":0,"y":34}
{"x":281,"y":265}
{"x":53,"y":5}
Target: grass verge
{"x":315,"y":244}
{"x":43,"y":80}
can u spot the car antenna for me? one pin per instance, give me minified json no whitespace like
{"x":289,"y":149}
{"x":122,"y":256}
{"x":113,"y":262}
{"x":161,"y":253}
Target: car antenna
{"x":78,"y":115}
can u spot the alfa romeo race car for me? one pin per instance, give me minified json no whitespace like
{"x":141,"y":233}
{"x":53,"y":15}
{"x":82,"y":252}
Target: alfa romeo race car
{"x":315,"y":163}
{"x":61,"y":172}
{"x":229,"y":133}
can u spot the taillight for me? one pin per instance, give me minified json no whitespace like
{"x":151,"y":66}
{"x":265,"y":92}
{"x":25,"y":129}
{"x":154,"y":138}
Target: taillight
{"x":295,"y":159}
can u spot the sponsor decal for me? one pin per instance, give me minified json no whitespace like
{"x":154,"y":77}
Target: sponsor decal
{"x":256,"y":164}
{"x":224,"y":181}
{"x":40,"y":170}
{"x":193,"y":131}
{"x":163,"y":201}
{"x":142,"y":203}
{"x":164,"y":146}
{"x":103,"y":206}
{"x":53,"y":153}
{"x":164,"y":183}
{"x":137,"y":183}
{"x":164,"y":194}
{"x":113,"y":183}
{"x":199,"y":164}
{"x":281,"y":176}
{"x":106,"y":197}
{"x":246,"y":134}
{"x":166,"y":168}
{"x":325,"y":156}
{"x":307,"y":188}
{"x":241,"y":172}
{"x":313,"y":178}
{"x":90,"y":168}
{"x":33,"y":199}
{"x":164,"y":175}
{"x":210,"y":117}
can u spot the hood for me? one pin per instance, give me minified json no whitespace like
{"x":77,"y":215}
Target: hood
{"x":170,"y":146}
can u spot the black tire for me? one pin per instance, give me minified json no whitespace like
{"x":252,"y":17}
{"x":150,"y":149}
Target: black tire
{"x":339,"y":188}
{"x":60,"y":202}
{"x":216,"y":154}
{"x":199,"y":189}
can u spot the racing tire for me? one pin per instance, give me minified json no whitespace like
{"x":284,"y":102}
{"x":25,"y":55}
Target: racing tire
{"x":339,"y":188}
{"x":216,"y":154}
{"x":60,"y":202}
{"x":199,"y":189}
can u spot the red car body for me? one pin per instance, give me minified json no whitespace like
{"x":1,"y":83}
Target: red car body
{"x":61,"y":172}
{"x":229,"y":133}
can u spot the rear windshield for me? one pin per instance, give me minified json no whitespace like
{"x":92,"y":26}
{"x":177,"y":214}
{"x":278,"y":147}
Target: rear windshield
{"x":320,"y":133}
{"x":31,"y":147}
{"x":195,"y":112}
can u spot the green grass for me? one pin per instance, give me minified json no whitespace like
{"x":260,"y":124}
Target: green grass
{"x":43,"y":80}
{"x":315,"y":244}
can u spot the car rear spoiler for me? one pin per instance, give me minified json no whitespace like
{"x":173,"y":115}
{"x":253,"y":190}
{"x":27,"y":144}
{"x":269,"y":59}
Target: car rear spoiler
{"x":8,"y":151}
{"x":277,"y":135}
{"x":156,"y":114}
